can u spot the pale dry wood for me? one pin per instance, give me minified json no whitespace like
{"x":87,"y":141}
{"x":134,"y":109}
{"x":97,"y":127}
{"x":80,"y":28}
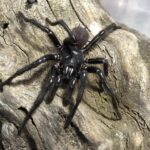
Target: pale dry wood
{"x":128,"y":54}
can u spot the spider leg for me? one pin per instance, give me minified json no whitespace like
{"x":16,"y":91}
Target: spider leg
{"x":64,"y":25}
{"x":69,"y":91}
{"x":49,"y":32}
{"x":106,"y":88}
{"x":44,"y":89}
{"x":53,"y":88}
{"x":83,"y":77}
{"x":100,"y":36}
{"x":99,"y":61}
{"x":29,"y":67}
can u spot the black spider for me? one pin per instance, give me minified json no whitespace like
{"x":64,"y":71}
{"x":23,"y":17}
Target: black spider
{"x":70,"y":66}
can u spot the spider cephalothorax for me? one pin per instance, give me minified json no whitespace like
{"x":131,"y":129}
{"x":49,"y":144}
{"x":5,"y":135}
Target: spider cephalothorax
{"x":70,"y":66}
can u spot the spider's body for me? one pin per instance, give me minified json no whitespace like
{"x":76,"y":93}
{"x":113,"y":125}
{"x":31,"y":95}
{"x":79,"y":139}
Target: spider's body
{"x":72,"y":54}
{"x":71,"y":62}
{"x":70,"y":65}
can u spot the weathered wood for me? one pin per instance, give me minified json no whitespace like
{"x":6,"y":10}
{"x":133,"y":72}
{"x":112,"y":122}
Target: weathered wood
{"x":128,"y":53}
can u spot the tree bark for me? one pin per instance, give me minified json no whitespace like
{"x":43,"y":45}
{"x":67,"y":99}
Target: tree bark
{"x":128,"y":54}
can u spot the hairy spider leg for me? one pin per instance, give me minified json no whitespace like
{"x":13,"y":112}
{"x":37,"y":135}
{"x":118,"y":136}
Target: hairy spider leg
{"x":99,"y":61}
{"x":49,"y":32}
{"x":29,"y":67}
{"x":64,"y":25}
{"x":37,"y":102}
{"x":100,"y":36}
{"x":68,"y":94}
{"x":83,"y":78}
{"x":106,"y":88}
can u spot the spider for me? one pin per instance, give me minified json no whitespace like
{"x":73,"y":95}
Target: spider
{"x":70,"y":67}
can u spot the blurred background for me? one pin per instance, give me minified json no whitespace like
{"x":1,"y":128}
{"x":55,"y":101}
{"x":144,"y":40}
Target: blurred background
{"x":133,"y":13}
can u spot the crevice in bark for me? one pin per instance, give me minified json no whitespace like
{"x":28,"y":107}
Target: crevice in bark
{"x":24,"y":110}
{"x":51,"y":9}
{"x":83,"y":138}
{"x":11,"y":119}
{"x":30,"y":139}
{"x":140,"y":121}
{"x":87,"y":144}
{"x":102,"y":114}
{"x":78,"y":16}
{"x":23,"y":51}
{"x":3,"y":36}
